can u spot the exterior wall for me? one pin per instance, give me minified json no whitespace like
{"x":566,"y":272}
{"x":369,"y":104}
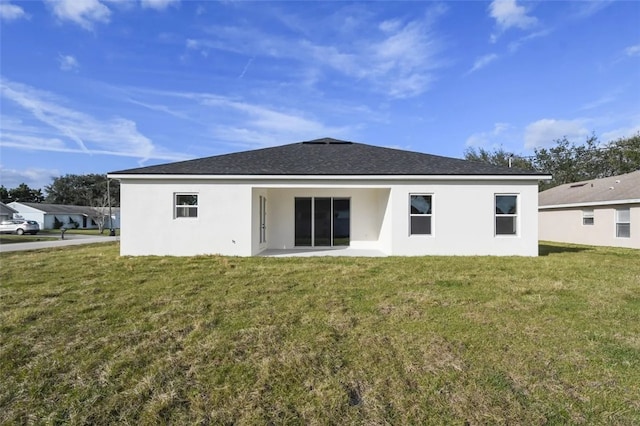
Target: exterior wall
{"x":228,"y":216}
{"x":565,"y":225}
{"x":148,"y":225}
{"x":463,"y":221}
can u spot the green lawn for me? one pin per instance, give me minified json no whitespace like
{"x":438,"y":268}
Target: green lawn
{"x":26,"y":238}
{"x":87,"y":336}
{"x":93,"y":232}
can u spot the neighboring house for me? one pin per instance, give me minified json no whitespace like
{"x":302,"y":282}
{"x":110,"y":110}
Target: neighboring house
{"x":6,"y":212}
{"x":602,"y":212}
{"x":328,"y":193}
{"x":47,"y":215}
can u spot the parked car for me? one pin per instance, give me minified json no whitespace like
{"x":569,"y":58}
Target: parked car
{"x":19,"y":226}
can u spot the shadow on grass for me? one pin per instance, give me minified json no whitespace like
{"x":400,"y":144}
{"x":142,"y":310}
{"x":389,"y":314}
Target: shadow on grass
{"x":547,"y":249}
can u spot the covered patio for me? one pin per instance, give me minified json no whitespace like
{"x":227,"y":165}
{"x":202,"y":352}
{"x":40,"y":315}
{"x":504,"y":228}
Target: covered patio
{"x":322,"y":251}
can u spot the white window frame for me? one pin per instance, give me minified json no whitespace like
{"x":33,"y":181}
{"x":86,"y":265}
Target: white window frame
{"x":429,"y":215}
{"x":623,"y":222}
{"x":588,"y":217}
{"x":515,"y":215}
{"x":177,"y":207}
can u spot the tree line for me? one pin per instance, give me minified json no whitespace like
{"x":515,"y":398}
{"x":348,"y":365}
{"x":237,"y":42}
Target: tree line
{"x":570,"y":162}
{"x":80,"y":190}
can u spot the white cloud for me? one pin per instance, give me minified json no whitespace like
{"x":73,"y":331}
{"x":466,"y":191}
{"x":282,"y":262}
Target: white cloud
{"x":515,"y":45}
{"x":400,"y":64}
{"x":68,"y":63}
{"x":242,"y":123}
{"x":544,"y":132}
{"x":260,"y":125}
{"x":509,"y":15}
{"x":398,"y":57}
{"x":492,"y":139}
{"x":633,"y":50}
{"x":158,"y":4}
{"x":622,"y":132}
{"x":34,"y":177}
{"x":83,"y":12}
{"x":11,"y":12}
{"x":482,"y":62}
{"x":62,"y":129}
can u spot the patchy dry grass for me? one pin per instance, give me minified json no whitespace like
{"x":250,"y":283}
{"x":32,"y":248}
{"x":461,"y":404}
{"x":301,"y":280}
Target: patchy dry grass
{"x":25,"y":238}
{"x":90,"y":337}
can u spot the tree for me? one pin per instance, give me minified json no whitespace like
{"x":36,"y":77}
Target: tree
{"x":4,"y":194}
{"x":82,"y":190}
{"x":570,"y":162}
{"x":499,"y":157}
{"x":21,"y":193}
{"x":100,"y":212}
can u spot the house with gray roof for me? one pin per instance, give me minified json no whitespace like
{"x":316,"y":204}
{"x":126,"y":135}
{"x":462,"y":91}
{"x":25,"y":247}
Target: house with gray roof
{"x":328,"y":194}
{"x":602,"y":212}
{"x":52,"y":216}
{"x":6,"y":212}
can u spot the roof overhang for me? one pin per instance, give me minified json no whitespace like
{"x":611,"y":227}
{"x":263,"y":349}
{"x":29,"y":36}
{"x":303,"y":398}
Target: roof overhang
{"x":329,"y":177}
{"x":590,"y":204}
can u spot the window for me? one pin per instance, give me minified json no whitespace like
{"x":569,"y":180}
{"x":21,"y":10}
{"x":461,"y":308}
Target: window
{"x":420,"y":214}
{"x":186,"y":205}
{"x":506,"y":214}
{"x":587,"y":217}
{"x":623,"y":223}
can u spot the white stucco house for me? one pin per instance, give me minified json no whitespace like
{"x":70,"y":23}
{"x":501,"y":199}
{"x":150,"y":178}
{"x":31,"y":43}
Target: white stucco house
{"x":328,"y":194}
{"x":601,"y":212}
{"x":47,"y":214}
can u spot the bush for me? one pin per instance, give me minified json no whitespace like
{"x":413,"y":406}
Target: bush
{"x":73,"y":224}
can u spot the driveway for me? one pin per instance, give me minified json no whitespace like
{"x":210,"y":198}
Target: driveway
{"x":69,"y":240}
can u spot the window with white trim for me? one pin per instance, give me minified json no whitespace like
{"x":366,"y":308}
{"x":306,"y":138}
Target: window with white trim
{"x":623,"y":223}
{"x":587,"y":217}
{"x":185,"y":205}
{"x":506,"y":222}
{"x":420,"y":214}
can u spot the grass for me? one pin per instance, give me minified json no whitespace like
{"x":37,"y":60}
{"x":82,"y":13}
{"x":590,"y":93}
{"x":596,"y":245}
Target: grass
{"x":93,"y":232}
{"x":87,"y":336}
{"x":25,"y":238}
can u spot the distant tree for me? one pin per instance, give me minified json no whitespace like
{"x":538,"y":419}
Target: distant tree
{"x":22,"y":193}
{"x":82,"y":190}
{"x":4,"y":194}
{"x":499,"y":157}
{"x":570,"y":162}
{"x":99,"y":212}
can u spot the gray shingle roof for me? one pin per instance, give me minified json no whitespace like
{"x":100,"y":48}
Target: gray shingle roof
{"x":327,"y":157}
{"x":614,"y":188}
{"x":60,"y":208}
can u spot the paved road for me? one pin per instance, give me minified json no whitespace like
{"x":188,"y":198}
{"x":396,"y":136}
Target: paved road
{"x":69,"y":240}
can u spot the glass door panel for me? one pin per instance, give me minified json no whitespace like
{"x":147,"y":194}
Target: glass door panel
{"x":341,"y":221}
{"x":322,"y":222}
{"x":303,"y":222}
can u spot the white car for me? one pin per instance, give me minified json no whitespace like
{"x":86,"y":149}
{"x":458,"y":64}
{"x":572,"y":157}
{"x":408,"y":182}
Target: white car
{"x":19,"y":226}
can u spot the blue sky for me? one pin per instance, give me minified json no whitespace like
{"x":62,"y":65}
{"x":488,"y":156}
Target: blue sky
{"x":92,"y":86}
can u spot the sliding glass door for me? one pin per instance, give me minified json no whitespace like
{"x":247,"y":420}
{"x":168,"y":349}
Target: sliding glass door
{"x":322,"y":221}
